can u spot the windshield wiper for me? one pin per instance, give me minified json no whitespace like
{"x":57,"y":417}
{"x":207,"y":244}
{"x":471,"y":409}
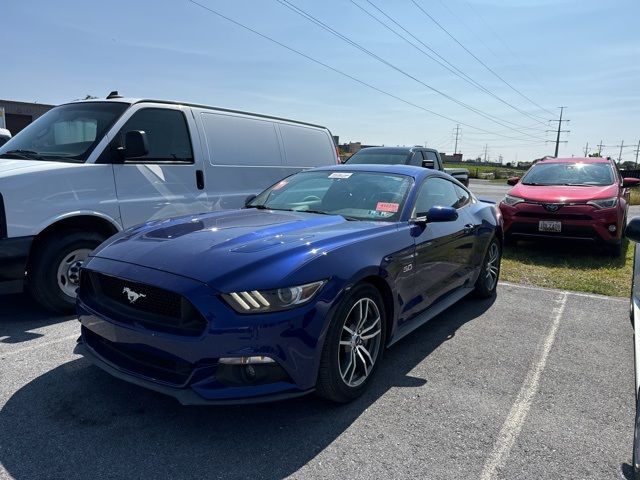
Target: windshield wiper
{"x":28,"y":154}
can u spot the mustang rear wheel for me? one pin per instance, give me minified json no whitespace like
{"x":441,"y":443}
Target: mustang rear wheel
{"x":489,"y":271}
{"x":353,"y":346}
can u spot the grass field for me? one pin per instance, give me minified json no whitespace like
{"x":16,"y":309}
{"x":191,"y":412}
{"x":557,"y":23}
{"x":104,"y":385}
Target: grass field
{"x":581,"y":268}
{"x":474,"y":170}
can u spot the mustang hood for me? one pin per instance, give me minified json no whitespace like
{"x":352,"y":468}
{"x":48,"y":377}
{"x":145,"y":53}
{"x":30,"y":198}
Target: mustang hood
{"x":563,"y":193}
{"x":221,"y":248}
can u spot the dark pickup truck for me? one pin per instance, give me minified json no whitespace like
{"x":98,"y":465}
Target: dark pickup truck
{"x":419,"y":156}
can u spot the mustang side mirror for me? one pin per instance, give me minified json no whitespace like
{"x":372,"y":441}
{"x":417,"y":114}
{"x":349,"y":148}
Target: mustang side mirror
{"x":249,"y":199}
{"x":436,"y":214}
{"x":628,"y":182}
{"x":442,"y":214}
{"x":632,"y":231}
{"x":512,"y":180}
{"x":135,"y":145}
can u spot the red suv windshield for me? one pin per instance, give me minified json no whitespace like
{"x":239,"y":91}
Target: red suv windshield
{"x":565,"y":173}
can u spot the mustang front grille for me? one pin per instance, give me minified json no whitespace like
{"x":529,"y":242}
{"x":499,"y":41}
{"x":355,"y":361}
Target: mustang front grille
{"x":136,"y":303}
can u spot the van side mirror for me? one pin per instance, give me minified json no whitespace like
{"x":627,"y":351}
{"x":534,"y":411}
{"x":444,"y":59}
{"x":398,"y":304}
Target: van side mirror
{"x":512,"y":180}
{"x":135,"y":145}
{"x":629,"y":182}
{"x":632,"y":231}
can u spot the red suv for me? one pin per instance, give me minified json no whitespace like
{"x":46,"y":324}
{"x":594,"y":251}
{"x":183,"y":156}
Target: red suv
{"x":570,"y":198}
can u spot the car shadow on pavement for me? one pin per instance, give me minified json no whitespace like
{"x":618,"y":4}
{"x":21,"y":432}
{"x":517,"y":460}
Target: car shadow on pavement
{"x":76,"y":421}
{"x":19,"y":313}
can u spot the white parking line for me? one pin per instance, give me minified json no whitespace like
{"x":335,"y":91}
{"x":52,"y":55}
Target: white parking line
{"x":569,"y":292}
{"x":39,"y":345}
{"x":513,"y":424}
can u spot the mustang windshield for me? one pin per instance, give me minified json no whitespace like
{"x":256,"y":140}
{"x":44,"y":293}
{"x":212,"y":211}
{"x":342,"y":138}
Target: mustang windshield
{"x":354,"y":195}
{"x":66,"y":133}
{"x":580,"y":174}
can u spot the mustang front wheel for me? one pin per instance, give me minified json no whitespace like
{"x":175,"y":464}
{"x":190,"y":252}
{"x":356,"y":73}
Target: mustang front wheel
{"x":353,"y":346}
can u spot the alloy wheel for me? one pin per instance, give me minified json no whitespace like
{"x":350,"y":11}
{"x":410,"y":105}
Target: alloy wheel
{"x":359,"y":342}
{"x":492,"y":268}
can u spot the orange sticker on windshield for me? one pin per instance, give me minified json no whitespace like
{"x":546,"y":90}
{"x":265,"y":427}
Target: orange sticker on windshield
{"x":387,"y":207}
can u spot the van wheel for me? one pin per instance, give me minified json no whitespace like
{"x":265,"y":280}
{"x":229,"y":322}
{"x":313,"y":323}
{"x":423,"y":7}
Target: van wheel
{"x":353,"y":346}
{"x":54,"y":270}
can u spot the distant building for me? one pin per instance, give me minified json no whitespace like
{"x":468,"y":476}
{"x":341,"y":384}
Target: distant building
{"x":18,"y":115}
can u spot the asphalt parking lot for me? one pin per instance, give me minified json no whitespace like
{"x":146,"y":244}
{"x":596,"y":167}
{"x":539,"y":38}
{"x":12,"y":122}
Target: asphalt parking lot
{"x":534,"y":384}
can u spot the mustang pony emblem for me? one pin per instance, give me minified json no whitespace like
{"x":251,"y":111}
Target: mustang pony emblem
{"x":131,"y":295}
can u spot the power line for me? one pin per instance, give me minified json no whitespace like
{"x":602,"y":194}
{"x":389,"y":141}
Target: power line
{"x":478,"y":59}
{"x":506,"y":47}
{"x":440,"y":60}
{"x":340,"y":72}
{"x":351,"y":42}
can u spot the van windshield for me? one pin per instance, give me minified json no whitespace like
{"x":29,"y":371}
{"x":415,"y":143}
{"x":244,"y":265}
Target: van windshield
{"x":67,"y":133}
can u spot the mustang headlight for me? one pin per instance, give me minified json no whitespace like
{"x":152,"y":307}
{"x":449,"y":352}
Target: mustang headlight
{"x":604,"y":203}
{"x":511,"y":200}
{"x":254,"y":301}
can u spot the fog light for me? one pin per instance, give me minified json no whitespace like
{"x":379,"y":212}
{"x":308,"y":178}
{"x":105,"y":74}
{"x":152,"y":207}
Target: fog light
{"x":612,"y":228}
{"x":251,"y":372}
{"x":245,"y":360}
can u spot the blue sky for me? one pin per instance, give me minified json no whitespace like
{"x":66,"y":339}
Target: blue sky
{"x":583,"y":54}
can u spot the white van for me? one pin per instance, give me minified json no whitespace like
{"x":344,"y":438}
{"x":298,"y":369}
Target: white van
{"x":86,"y":170}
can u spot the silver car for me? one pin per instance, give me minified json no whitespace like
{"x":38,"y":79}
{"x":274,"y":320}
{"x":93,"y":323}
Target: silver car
{"x":633,"y":233}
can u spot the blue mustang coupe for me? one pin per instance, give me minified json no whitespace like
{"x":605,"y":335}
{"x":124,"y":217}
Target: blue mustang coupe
{"x":299,"y":291}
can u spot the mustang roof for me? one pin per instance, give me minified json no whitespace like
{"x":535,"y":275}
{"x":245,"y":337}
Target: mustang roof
{"x":398,"y":169}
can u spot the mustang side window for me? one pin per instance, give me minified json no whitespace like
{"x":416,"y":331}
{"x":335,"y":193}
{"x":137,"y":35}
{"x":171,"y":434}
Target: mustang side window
{"x":166,"y":132}
{"x":436,"y":192}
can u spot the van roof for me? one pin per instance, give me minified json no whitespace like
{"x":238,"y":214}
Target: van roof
{"x":132,"y":101}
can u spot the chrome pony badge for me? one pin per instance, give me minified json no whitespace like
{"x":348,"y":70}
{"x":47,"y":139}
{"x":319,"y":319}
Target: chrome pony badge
{"x":132,"y":296}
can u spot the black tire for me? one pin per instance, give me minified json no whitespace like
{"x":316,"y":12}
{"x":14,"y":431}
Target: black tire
{"x":42,"y":272}
{"x":509,"y":241}
{"x":330,"y":383}
{"x":484,"y":288}
{"x":615,"y":250}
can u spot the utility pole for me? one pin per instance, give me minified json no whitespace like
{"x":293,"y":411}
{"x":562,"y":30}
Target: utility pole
{"x":559,"y":130}
{"x":600,"y":145}
{"x":620,"y":154}
{"x":455,"y":149}
{"x":637,"y":151}
{"x":485,"y":152}
{"x":586,"y":149}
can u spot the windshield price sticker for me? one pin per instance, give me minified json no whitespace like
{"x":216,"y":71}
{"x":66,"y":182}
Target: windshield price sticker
{"x":340,"y":175}
{"x":387,"y":207}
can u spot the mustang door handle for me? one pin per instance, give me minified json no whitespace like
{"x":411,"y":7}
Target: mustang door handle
{"x":469,"y":228}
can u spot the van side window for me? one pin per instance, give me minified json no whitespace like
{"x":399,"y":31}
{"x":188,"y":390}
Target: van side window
{"x":166,"y":132}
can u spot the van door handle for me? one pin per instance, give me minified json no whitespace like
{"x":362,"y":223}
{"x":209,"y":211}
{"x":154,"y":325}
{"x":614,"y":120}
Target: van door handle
{"x":200,"y":179}
{"x":469,"y":228}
